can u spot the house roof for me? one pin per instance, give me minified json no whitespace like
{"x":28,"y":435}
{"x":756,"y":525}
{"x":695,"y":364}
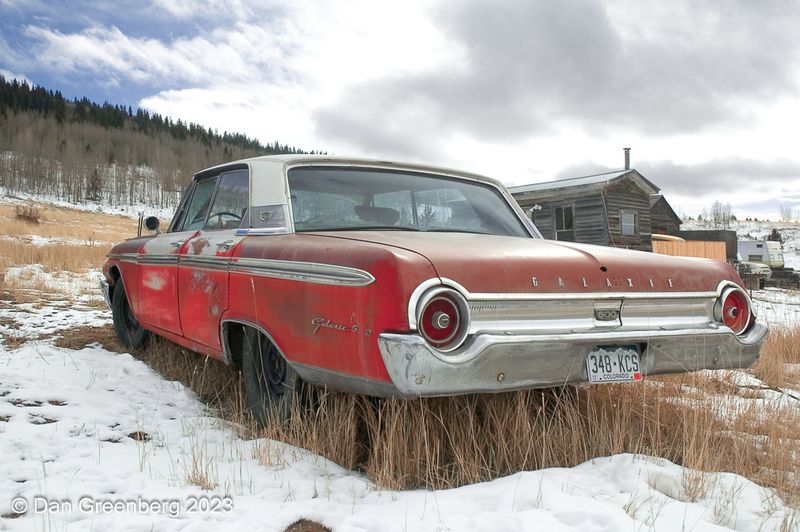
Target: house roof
{"x":583,"y":181}
{"x":655,"y":198}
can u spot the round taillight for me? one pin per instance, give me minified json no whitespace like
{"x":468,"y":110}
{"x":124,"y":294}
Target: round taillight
{"x":735,"y":310}
{"x":443,"y":319}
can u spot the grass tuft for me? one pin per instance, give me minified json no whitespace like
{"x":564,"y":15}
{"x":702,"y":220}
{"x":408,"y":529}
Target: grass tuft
{"x":29,"y":214}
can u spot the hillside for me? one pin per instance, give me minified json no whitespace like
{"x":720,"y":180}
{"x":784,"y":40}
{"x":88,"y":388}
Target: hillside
{"x":84,"y":151}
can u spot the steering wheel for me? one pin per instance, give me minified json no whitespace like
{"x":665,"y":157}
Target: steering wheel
{"x":219,"y":216}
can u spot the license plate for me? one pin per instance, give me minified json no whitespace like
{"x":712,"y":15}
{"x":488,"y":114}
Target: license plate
{"x":613,"y":363}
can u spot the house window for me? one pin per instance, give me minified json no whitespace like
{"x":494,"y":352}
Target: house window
{"x":629,"y":223}
{"x":564,"y":223}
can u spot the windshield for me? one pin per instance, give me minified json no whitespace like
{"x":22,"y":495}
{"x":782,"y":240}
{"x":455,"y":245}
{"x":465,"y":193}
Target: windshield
{"x":337,"y":198}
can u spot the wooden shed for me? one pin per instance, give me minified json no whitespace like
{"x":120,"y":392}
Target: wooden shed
{"x":610,"y":209}
{"x":663,"y":219}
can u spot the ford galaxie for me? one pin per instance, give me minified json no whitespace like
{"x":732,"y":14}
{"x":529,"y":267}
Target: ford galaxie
{"x":394,"y":279}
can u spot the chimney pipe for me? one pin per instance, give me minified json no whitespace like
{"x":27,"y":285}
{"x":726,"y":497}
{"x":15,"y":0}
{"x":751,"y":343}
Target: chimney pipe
{"x":627,"y":158}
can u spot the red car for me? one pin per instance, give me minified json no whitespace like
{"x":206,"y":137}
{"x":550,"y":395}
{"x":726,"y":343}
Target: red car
{"x":394,"y":279}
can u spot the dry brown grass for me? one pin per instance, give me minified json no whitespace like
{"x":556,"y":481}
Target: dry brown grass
{"x":81,"y":230}
{"x":448,"y":442}
{"x":782,"y":347}
{"x":53,"y":257}
{"x":30,"y":214}
{"x":59,"y":222}
{"x":80,"y":337}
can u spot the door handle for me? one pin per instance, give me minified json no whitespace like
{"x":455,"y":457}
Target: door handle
{"x":177,"y":243}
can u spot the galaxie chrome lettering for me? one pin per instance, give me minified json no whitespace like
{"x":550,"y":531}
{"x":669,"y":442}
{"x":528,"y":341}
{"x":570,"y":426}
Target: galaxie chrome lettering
{"x":328,"y":324}
{"x":559,"y":282}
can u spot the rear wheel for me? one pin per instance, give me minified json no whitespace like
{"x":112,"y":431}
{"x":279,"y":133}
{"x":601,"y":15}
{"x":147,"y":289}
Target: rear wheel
{"x":271,"y":386}
{"x":130,"y":332}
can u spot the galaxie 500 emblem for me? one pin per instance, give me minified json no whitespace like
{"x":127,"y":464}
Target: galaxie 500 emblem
{"x":319,"y":323}
{"x":559,"y":282}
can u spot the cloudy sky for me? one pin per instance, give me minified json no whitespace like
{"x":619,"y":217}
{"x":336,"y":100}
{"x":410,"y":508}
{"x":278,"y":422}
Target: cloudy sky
{"x":706,"y":92}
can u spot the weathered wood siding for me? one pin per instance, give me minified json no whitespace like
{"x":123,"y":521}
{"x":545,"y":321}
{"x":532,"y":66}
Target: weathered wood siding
{"x":626,"y":196}
{"x":588,"y":216}
{"x":691,"y":248}
{"x":661,"y":219}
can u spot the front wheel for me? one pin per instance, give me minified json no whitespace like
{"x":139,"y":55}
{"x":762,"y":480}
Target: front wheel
{"x":129,"y":331}
{"x":271,"y":386}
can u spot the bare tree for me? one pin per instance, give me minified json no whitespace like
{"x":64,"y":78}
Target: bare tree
{"x":721,"y":214}
{"x":787,"y":214}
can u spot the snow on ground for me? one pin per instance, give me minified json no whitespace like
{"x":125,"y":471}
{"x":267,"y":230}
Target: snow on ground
{"x":131,"y":211}
{"x":776,"y":307}
{"x":37,"y":240}
{"x":83,"y":429}
{"x":73,"y":300}
{"x":99,"y":441}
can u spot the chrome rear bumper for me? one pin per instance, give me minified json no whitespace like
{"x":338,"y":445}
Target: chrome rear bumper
{"x":498,"y":363}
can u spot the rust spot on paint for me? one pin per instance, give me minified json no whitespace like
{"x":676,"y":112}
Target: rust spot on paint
{"x":199,"y":245}
{"x":154,"y":281}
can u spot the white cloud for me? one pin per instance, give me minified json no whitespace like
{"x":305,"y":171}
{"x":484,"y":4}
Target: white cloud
{"x":518,"y":90}
{"x":243,"y":53}
{"x":191,"y":9}
{"x":13,"y":75}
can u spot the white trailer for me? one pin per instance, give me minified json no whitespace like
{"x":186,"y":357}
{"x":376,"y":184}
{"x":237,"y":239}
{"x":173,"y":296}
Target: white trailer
{"x":764,"y":251}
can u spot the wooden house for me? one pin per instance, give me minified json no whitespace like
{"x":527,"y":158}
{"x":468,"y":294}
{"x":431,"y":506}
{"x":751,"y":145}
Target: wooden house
{"x":663,"y":220}
{"x":610,"y":209}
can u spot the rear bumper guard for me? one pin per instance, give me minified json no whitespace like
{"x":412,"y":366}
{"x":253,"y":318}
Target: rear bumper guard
{"x":498,"y":363}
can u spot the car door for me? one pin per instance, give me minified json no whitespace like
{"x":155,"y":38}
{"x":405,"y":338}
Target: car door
{"x":158,"y":261}
{"x":204,"y":262}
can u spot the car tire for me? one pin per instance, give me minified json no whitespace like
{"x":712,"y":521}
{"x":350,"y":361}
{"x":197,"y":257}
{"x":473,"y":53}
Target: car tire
{"x":272,"y":388}
{"x":129,"y":331}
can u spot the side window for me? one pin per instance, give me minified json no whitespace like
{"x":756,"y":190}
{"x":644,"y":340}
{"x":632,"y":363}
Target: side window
{"x":230,"y":204}
{"x":565,"y":229}
{"x":198,"y":207}
{"x":628,"y":223}
{"x":180,"y":213}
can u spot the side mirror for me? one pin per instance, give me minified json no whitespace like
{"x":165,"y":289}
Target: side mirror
{"x":151,"y":223}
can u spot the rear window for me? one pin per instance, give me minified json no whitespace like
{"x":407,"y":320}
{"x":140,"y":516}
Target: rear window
{"x":341,"y":198}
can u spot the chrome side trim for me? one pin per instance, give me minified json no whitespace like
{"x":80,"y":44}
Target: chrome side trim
{"x":158,"y":260}
{"x":205,"y":262}
{"x":124,"y":257}
{"x":262,"y":231}
{"x":311,"y":272}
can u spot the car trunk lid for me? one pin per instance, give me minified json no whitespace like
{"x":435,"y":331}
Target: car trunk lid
{"x":500,"y":264}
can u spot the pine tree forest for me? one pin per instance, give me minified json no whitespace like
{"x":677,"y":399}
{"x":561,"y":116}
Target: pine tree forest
{"x":79,"y":150}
